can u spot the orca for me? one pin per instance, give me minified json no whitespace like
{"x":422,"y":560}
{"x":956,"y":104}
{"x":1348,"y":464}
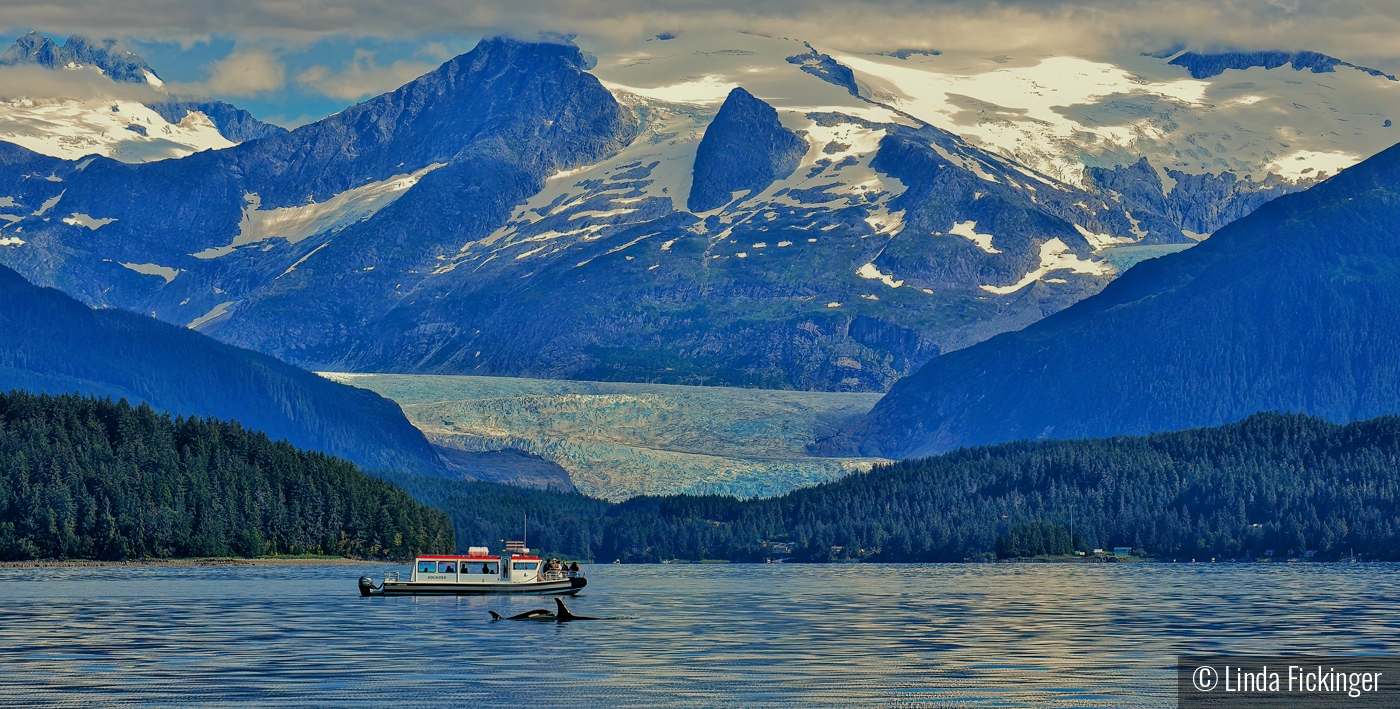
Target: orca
{"x":541,"y":614}
{"x":536,"y":614}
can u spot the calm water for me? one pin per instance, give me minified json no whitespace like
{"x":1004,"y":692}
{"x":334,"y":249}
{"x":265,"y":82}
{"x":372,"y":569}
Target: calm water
{"x":770,"y":635}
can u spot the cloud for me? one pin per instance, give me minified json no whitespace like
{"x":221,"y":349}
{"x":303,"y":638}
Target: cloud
{"x":39,"y":83}
{"x":241,"y":73}
{"x":1357,"y":30}
{"x":362,"y":77}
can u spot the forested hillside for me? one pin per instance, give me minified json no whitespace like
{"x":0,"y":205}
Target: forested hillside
{"x":82,"y":477}
{"x":1284,"y":482}
{"x":486,"y":514}
{"x":51,"y":343}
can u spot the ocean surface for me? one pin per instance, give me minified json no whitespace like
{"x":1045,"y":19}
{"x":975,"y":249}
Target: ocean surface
{"x":1023,"y":635}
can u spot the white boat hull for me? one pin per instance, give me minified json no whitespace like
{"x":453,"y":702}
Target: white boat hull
{"x":565,"y":587}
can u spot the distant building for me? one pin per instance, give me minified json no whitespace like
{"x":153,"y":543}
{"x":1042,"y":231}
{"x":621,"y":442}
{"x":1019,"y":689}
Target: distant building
{"x":1122,"y":551}
{"x":517,"y":548}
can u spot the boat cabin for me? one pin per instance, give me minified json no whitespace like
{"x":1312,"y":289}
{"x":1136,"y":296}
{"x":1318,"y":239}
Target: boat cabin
{"x":480,"y":566}
{"x":479,"y":571}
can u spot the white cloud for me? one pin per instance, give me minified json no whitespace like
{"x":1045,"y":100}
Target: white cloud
{"x":362,"y":77}
{"x":241,"y":73}
{"x":1361,"y":31}
{"x":34,"y":82}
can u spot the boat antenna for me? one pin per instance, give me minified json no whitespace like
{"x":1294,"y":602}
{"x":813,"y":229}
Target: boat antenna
{"x":525,"y":538}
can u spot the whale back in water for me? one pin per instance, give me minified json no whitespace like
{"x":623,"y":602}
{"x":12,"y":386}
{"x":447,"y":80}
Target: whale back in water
{"x":541,"y":614}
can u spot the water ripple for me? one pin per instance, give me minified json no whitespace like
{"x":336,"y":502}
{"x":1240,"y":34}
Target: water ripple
{"x":688,"y":636}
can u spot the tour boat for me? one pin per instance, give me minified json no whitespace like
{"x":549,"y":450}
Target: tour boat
{"x":478,"y":572}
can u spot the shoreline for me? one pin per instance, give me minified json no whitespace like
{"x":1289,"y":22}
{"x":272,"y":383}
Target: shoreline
{"x":203,"y":561}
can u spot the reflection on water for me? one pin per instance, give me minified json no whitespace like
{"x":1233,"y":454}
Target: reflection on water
{"x":769,"y":635}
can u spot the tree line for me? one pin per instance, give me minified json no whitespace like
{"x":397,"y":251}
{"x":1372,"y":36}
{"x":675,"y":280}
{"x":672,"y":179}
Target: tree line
{"x":1288,"y":483}
{"x":82,"y":477}
{"x":86,"y":477}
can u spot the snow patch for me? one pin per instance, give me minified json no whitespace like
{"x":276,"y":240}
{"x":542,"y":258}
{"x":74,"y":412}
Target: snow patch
{"x":49,"y":204}
{"x":87,"y":221}
{"x":1102,"y":241}
{"x":11,"y":241}
{"x":705,"y":90}
{"x":968,"y":230}
{"x":302,"y":260}
{"x":870,"y":272}
{"x":152,"y":269}
{"x":1311,"y":164}
{"x":1054,"y":256}
{"x":214,"y":313}
{"x":297,"y":223}
{"x":74,"y":128}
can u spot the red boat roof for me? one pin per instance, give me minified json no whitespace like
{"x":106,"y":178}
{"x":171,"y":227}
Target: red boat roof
{"x":458,"y":557}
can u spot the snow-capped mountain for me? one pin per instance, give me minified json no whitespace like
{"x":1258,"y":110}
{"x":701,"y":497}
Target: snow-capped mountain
{"x":712,"y":208}
{"x":1254,"y":115}
{"x":107,"y":102}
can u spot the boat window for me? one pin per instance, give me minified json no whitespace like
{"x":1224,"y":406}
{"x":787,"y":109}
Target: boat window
{"x":486,"y":568}
{"x":427,"y":567}
{"x":525,"y":566}
{"x":447,"y":567}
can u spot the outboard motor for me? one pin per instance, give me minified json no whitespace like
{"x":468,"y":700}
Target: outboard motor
{"x":366,"y":585}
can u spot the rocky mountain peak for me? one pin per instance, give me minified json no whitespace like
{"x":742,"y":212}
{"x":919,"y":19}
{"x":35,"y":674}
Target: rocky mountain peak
{"x":744,"y":148}
{"x":118,"y":64}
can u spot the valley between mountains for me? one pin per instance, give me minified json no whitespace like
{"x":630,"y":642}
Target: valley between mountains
{"x":716,"y":263}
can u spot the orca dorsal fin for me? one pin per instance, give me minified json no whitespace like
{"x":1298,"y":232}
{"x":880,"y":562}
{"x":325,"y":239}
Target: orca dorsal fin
{"x":495,"y":615}
{"x":564,"y":614}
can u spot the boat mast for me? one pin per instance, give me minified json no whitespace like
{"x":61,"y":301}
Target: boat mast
{"x":525,"y":538}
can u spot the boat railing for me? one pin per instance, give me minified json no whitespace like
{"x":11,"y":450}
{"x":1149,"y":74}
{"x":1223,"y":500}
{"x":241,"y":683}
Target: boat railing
{"x":391,"y":576}
{"x":560,"y":575}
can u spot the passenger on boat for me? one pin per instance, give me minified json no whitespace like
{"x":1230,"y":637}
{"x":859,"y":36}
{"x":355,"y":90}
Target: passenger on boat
{"x":573,"y":570}
{"x":485,"y":569}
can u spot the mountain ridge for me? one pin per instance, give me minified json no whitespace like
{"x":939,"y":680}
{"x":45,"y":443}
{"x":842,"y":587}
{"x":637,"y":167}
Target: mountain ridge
{"x":1292,"y":308}
{"x":52,"y":343}
{"x":516,"y":212}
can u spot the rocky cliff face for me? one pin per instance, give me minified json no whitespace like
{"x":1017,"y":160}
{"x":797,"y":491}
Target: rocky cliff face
{"x":233,"y":122}
{"x":1196,"y":203}
{"x":119,"y":65}
{"x":745,"y":148}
